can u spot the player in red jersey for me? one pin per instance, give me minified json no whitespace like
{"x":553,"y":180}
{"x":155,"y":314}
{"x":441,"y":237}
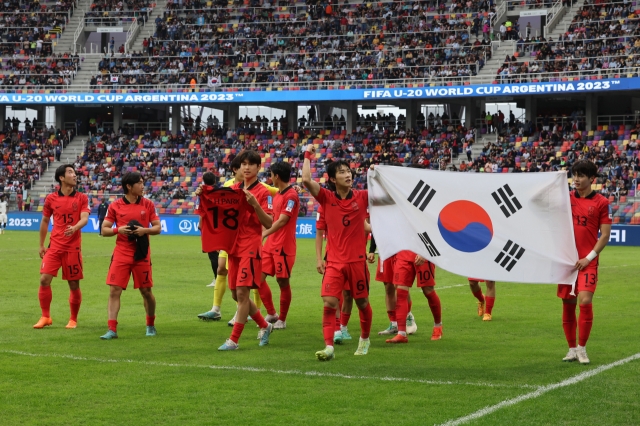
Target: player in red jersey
{"x":407,"y":268}
{"x":132,"y":214}
{"x":485,"y":302}
{"x":591,"y":214}
{"x":279,"y":251}
{"x":245,"y":266}
{"x":70,"y":211}
{"x":345,"y":213}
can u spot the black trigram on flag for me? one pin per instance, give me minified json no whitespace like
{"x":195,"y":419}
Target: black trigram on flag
{"x":507,"y":202}
{"x":429,"y":244}
{"x":509,"y":255}
{"x":421,"y":195}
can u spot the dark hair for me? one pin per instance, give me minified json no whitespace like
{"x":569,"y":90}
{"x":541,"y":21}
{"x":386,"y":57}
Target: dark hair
{"x":250,"y":156}
{"x":333,"y":167}
{"x":235,"y":163}
{"x":62,"y":170}
{"x":585,"y":167}
{"x":209,"y":178}
{"x":282,"y":170}
{"x":130,"y":178}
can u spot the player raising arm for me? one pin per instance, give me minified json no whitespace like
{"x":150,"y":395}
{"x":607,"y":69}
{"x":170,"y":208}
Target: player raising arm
{"x":70,"y":211}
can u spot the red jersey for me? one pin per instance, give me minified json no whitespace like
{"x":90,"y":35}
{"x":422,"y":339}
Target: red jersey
{"x":249,"y":240}
{"x":320,"y":222}
{"x":346,"y":240}
{"x":283,"y":241}
{"x":588,"y":214}
{"x":65,"y":210}
{"x":220,"y":210}
{"x":121,"y":212}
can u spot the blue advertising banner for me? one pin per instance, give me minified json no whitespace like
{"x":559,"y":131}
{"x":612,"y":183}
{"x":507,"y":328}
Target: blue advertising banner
{"x":349,"y":93}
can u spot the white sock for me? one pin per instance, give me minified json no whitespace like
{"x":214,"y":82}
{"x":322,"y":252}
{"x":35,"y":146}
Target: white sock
{"x":343,"y":328}
{"x":438,"y":324}
{"x":215,"y":309}
{"x":364,"y":340}
{"x":402,"y":333}
{"x":394,"y":324}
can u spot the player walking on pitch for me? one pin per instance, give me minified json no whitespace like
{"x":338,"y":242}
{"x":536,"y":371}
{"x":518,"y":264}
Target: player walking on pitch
{"x":3,"y":214}
{"x":486,"y":301}
{"x":70,"y":211}
{"x":591,"y":214}
{"x":132,"y":214}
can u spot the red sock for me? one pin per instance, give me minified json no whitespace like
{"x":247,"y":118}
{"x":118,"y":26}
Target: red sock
{"x":267,"y":298}
{"x":410,"y":304}
{"x":44,"y":294}
{"x":392,"y":315}
{"x":569,"y":323}
{"x":151,"y":320}
{"x":490,"y":301}
{"x":584,"y":323}
{"x":259,"y":319}
{"x":75,"y":299}
{"x":479,"y":296}
{"x":436,"y":308}
{"x":237,"y":331}
{"x":285,"y":302}
{"x":337,"y":328}
{"x":366,"y":316}
{"x":402,"y":309}
{"x":327,"y":325}
{"x":344,"y":318}
{"x":113,"y":325}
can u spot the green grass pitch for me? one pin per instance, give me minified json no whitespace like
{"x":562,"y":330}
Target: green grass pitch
{"x":70,"y":377}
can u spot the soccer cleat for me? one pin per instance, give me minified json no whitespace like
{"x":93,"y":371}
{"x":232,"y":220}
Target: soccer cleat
{"x":71,"y":324}
{"x":151,"y":330}
{"x":337,"y":337}
{"x":398,"y":338}
{"x":412,"y":327}
{"x":581,"y":352}
{"x":271,"y":318}
{"x":480,"y":309}
{"x":392,"y":329}
{"x":280,"y":325}
{"x":437,"y":333}
{"x":266,"y":332}
{"x":571,"y":355}
{"x":232,"y":321}
{"x":486,"y":317}
{"x":229,"y":345}
{"x":345,"y":333}
{"x":109,"y":335}
{"x":210,"y":316}
{"x":363,"y":347}
{"x":43,"y":322}
{"x":213,"y":284}
{"x":327,"y":354}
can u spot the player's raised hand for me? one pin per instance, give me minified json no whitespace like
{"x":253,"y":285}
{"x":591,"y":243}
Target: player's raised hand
{"x":251,"y":199}
{"x":43,"y":250}
{"x":320,"y":266}
{"x":199,"y":190}
{"x":311,"y":148}
{"x":298,"y":189}
{"x":420,"y":260}
{"x":371,"y":257}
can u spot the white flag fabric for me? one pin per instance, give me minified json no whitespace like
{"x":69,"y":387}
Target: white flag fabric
{"x":493,"y":226}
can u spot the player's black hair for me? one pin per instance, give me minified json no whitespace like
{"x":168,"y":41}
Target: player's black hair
{"x":282,"y":170}
{"x":585,"y":167}
{"x":209,"y":178}
{"x":333,"y":167}
{"x":235,"y":163}
{"x":62,"y":170}
{"x":250,"y":156}
{"x":130,"y":178}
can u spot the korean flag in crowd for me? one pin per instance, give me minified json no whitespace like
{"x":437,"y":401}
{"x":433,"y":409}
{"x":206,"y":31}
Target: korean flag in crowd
{"x":501,"y":227}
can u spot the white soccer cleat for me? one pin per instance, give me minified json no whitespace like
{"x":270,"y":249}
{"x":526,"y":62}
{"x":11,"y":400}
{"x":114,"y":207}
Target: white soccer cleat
{"x":213,"y":284}
{"x":232,"y":321}
{"x":280,"y":325}
{"x":412,"y":327}
{"x":571,"y":355}
{"x":581,"y":352}
{"x":271,"y":318}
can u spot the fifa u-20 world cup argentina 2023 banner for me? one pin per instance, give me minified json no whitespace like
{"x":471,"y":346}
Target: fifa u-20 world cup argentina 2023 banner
{"x":297,"y":94}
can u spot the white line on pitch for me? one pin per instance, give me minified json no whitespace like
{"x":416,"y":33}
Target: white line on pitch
{"x":450,"y":286}
{"x":539,"y":392}
{"x":268,"y":370}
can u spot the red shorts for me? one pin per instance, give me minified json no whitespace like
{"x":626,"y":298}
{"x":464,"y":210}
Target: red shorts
{"x":478,"y":280}
{"x":280,"y":266}
{"x":406,"y":272}
{"x":587,"y":281}
{"x":122,"y":268}
{"x":244,"y":272}
{"x":69,"y":261}
{"x":386,"y":275}
{"x":353,"y":277}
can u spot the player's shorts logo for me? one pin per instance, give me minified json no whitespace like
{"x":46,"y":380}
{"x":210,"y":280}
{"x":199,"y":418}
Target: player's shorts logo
{"x":184,"y":226}
{"x":465,"y":226}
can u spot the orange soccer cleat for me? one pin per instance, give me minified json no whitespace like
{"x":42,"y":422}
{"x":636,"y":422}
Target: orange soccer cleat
{"x":480,"y":309}
{"x":437,"y":333}
{"x":398,"y":338}
{"x":43,"y":322}
{"x":71,"y":324}
{"x":487,"y":317}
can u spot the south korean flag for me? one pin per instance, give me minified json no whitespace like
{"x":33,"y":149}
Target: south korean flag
{"x":501,"y":227}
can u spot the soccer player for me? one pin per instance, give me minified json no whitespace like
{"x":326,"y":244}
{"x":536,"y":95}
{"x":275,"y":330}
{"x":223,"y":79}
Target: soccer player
{"x":591,"y":213}
{"x":485,"y":302}
{"x":279,"y":251}
{"x":407,"y":267}
{"x":70,"y":211}
{"x":3,"y":214}
{"x":132,"y":214}
{"x":345,"y":213}
{"x":209,"y":179}
{"x":245,"y":267}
